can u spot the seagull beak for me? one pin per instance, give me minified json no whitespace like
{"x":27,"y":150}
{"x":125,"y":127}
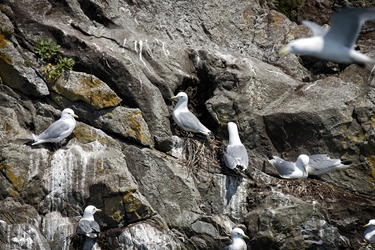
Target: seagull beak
{"x":175,"y":98}
{"x":284,"y":51}
{"x":366,"y":225}
{"x":98,"y":210}
{"x":245,"y":237}
{"x":75,"y":116}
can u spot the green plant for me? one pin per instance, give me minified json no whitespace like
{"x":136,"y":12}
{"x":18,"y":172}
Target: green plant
{"x":52,"y":72}
{"x":28,"y":63}
{"x":46,"y":49}
{"x":65,"y":62}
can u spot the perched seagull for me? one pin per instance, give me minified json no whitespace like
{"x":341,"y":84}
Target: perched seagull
{"x":235,"y":154}
{"x":291,"y":170}
{"x":320,"y":164}
{"x":88,"y":228}
{"x":185,"y":119}
{"x":337,"y":43}
{"x":58,"y":130}
{"x":369,"y":233}
{"x":237,"y":235}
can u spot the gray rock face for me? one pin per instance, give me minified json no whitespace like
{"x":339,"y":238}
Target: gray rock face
{"x":159,"y":187}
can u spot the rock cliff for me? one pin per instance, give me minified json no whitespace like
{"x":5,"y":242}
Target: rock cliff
{"x":159,"y":187}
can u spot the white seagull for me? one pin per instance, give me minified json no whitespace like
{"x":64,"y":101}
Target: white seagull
{"x":88,"y":228}
{"x":235,"y":155}
{"x":291,"y":170}
{"x":320,"y":164}
{"x":185,"y":119}
{"x":337,"y":43}
{"x":237,"y":235}
{"x":369,"y":233}
{"x":58,"y":130}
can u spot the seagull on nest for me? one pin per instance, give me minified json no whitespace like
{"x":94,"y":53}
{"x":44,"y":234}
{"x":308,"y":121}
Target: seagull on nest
{"x":291,"y":170}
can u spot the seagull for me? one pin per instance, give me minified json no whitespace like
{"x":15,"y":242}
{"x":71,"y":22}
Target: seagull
{"x":185,"y":119}
{"x":369,"y":233}
{"x":235,"y":155}
{"x":337,"y":43}
{"x":88,"y":228}
{"x":291,"y":170}
{"x":58,"y":130}
{"x":320,"y":164}
{"x":237,"y":235}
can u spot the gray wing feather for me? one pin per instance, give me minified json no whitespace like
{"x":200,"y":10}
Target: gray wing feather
{"x":322,"y":161}
{"x":347,"y":23}
{"x":85,"y":227}
{"x":284,"y":168}
{"x":54,"y":131}
{"x":190,"y":122}
{"x":315,"y":28}
{"x":236,"y":155}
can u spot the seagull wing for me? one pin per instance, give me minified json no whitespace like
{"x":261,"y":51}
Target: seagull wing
{"x":284,"y":168}
{"x":347,"y":23}
{"x":236,"y":155}
{"x":190,"y":122}
{"x":54,"y":131}
{"x":315,"y":28}
{"x":322,"y":162}
{"x":86,"y":227}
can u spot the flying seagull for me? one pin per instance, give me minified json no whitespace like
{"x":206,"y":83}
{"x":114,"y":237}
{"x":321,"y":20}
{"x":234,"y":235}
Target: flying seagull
{"x":369,"y":233}
{"x":337,"y":43}
{"x":320,"y":164}
{"x":88,"y":229}
{"x":185,"y":119}
{"x":235,"y":155}
{"x":237,"y":235}
{"x":291,"y":170}
{"x":58,"y":130}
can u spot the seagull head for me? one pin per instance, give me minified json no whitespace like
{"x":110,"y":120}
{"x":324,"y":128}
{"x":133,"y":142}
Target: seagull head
{"x":68,"y":113}
{"x":182,"y":96}
{"x":370,"y":223}
{"x":234,"y":138}
{"x":232,"y":126}
{"x":90,"y":211}
{"x":303,"y":46}
{"x":303,"y":160}
{"x":238,"y":233}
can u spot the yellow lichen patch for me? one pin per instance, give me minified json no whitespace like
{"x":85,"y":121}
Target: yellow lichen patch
{"x":16,"y":181}
{"x":3,"y":41}
{"x":85,"y":134}
{"x":91,"y":89}
{"x":6,"y":126}
{"x":6,"y":59}
{"x":117,"y":215}
{"x":276,"y":18}
{"x":134,"y":208}
{"x":370,"y":160}
{"x":136,"y":129}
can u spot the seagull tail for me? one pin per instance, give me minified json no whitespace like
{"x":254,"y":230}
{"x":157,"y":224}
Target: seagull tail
{"x":88,"y":244}
{"x":210,"y":134}
{"x":29,"y":143}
